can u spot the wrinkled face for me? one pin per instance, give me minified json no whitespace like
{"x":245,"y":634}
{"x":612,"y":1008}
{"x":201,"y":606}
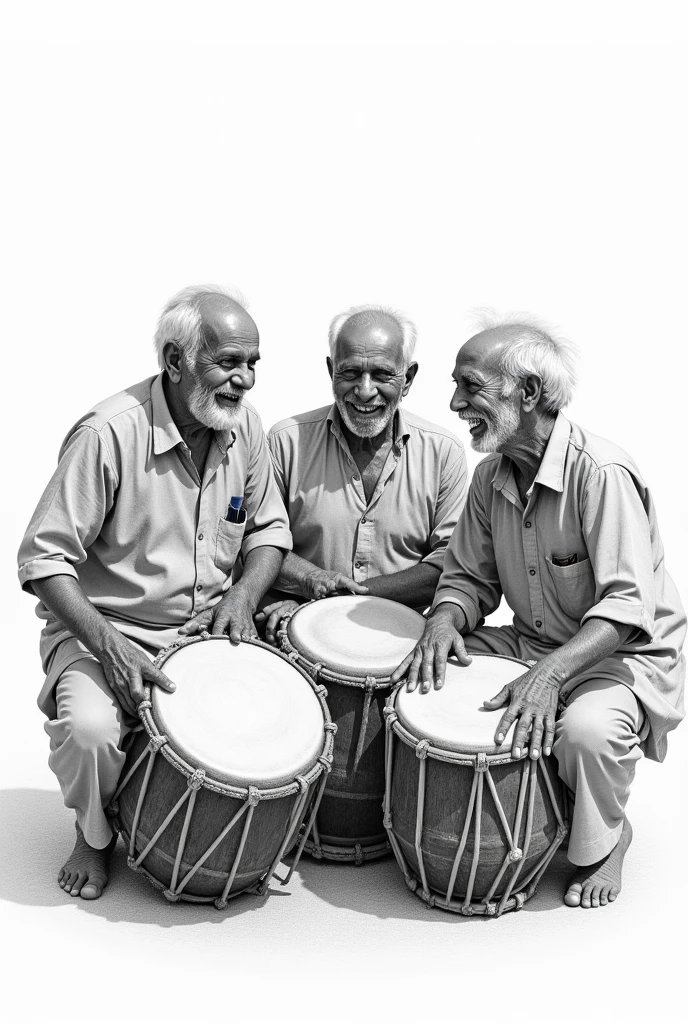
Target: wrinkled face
{"x":368,"y":374}
{"x":214,"y":384}
{"x":481,"y":396}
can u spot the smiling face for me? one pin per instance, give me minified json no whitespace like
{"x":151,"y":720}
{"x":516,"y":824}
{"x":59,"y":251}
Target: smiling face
{"x":481,"y":396}
{"x":368,"y":374}
{"x":213,"y":385}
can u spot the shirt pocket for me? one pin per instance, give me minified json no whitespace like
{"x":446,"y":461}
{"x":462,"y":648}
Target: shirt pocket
{"x":228,"y":544}
{"x":574,"y":586}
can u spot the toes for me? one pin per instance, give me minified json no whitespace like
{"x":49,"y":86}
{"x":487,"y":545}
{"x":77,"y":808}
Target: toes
{"x":91,"y":891}
{"x":573,"y":895}
{"x":595,"y":896}
{"x":604,"y":894}
{"x":77,"y":884}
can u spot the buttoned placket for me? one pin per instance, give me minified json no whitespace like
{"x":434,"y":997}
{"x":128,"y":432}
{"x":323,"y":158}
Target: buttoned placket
{"x":365,"y":534}
{"x":532,"y":562}
{"x":203,"y":570}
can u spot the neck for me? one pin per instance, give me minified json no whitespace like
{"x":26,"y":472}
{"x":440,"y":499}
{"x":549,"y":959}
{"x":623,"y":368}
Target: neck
{"x":526,"y":448}
{"x":193,"y":432}
{"x":368,"y":444}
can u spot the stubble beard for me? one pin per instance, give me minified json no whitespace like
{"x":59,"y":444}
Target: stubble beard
{"x":203,"y":406}
{"x":502,"y":429}
{"x":371,"y":426}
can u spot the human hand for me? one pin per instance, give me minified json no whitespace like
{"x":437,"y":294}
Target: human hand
{"x":274,"y":613}
{"x":319,"y":583}
{"x":232,"y":615}
{"x":428,"y":659}
{"x":532,"y":699}
{"x":128,"y":670}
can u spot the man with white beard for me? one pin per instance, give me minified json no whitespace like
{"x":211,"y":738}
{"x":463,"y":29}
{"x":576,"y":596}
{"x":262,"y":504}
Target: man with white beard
{"x":130,"y":546}
{"x":561,"y":523}
{"x":373,"y":492}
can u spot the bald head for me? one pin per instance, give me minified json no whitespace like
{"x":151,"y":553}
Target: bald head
{"x":370,"y":332}
{"x":200,"y":316}
{"x":223,"y":319}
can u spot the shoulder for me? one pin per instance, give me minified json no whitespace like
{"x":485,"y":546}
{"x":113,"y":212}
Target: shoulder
{"x":597,"y":453}
{"x":436,"y":435}
{"x":303,"y":423}
{"x":119,"y":411}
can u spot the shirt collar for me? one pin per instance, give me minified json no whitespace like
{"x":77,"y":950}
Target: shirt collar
{"x":165,"y":432}
{"x":400,"y":429}
{"x":551,"y":471}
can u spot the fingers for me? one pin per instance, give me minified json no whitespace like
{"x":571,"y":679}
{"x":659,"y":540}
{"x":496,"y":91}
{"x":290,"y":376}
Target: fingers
{"x":416,"y":656}
{"x":399,"y":672}
{"x":272,"y":627}
{"x":462,"y":655}
{"x":520,"y":740}
{"x":505,"y":724}
{"x":536,"y":737}
{"x":344,"y":583}
{"x":549,"y":735}
{"x":427,"y":668}
{"x":154,"y":675}
{"x":502,"y":697}
{"x":198,"y":623}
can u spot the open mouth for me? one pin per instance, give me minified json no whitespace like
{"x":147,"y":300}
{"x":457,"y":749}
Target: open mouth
{"x":476,"y":425}
{"x":229,"y":399}
{"x":365,"y":410}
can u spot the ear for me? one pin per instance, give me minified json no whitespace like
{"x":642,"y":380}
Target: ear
{"x":172,"y":358}
{"x":531,"y":392}
{"x":411,"y":371}
{"x":330,"y":368}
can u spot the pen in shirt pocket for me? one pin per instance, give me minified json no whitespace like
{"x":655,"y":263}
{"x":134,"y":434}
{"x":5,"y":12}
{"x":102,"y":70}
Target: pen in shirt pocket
{"x":235,"y":512}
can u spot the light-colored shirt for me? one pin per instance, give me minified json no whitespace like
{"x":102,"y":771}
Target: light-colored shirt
{"x":588,"y":500}
{"x":411,"y":514}
{"x":127,"y":514}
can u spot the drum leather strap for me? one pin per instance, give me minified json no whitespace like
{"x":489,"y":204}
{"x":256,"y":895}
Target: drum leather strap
{"x":370,"y":687}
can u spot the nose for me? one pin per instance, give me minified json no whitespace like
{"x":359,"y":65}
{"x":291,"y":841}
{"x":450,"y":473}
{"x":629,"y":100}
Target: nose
{"x":457,"y":401}
{"x":242,"y":377}
{"x":366,"y":389}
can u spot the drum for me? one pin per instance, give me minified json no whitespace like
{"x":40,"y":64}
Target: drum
{"x":214,"y":791}
{"x":352,"y":644}
{"x":472,"y":829}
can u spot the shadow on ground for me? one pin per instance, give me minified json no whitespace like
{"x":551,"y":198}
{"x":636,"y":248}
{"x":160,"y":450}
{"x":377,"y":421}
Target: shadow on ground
{"x":37,"y":835}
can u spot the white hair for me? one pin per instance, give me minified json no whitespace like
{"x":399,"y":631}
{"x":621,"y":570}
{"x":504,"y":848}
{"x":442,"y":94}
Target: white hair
{"x":407,"y":327}
{"x":181,"y":321}
{"x":536,"y":347}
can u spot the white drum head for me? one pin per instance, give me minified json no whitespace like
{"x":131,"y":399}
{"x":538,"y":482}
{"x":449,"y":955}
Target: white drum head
{"x":356,"y":636}
{"x":454,"y":718}
{"x":243,"y":713}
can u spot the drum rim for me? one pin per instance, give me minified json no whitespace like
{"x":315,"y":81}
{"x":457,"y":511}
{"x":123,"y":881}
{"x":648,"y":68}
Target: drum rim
{"x":316,"y":669}
{"x":424,"y":748}
{"x":159,"y":741}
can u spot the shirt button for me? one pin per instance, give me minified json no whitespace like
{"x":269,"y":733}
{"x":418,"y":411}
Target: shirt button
{"x":538,"y":623}
{"x":200,"y":536}
{"x":364,"y":520}
{"x":358,"y":565}
{"x":199,"y":587}
{"x":528,"y":524}
{"x":356,"y":476}
{"x":532,"y":572}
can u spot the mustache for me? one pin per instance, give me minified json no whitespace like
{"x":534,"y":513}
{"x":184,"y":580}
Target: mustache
{"x":230,"y":394}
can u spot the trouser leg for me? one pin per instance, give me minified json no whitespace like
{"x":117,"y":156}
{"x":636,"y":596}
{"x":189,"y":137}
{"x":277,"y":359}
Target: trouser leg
{"x":597,"y":747}
{"x":85,"y":746}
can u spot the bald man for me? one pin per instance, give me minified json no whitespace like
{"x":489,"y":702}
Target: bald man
{"x":372,"y":493}
{"x":130,"y":548}
{"x":562,"y":524}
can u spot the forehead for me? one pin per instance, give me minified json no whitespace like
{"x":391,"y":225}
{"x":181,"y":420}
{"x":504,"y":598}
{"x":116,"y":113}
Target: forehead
{"x":481,"y":353}
{"x":226,"y":325}
{"x":370,"y":336}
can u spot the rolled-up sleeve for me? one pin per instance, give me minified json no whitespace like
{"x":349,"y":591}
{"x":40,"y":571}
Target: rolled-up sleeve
{"x":71,"y":511}
{"x":267,"y":523}
{"x":469,"y":575}
{"x":451,"y":499}
{"x":617,"y":535}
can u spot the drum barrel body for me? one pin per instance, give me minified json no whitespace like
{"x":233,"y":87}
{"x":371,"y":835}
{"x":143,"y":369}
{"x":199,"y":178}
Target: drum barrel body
{"x":350,"y":811}
{"x":212,"y":811}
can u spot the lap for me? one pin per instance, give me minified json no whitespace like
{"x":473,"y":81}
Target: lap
{"x":83,"y":692}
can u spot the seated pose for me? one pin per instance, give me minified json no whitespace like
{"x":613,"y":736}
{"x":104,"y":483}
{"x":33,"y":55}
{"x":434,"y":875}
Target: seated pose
{"x":560,"y":522}
{"x":130,"y":546}
{"x":373,"y":493}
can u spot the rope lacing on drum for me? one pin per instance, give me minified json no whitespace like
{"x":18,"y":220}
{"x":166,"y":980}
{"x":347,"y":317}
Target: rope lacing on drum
{"x":422,"y":747}
{"x":316,"y":669}
{"x":253,"y":796}
{"x":331,"y":727}
{"x":196,"y":780}
{"x":369,"y":690}
{"x":326,"y":761}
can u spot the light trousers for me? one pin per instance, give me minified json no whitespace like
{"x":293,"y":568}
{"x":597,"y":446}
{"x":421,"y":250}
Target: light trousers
{"x":597,"y":746}
{"x":86,"y":745}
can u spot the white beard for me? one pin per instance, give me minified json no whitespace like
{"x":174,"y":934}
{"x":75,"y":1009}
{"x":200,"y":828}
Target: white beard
{"x":203,"y":405}
{"x":372,"y":425}
{"x":505,"y":424}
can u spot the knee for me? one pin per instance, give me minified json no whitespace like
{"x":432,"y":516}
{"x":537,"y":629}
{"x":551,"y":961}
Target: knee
{"x":92,"y":729}
{"x":587,"y":731}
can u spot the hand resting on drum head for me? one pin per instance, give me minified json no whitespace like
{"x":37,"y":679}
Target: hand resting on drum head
{"x":427,"y":662}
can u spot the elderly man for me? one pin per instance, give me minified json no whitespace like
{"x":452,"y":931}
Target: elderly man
{"x":129,"y":547}
{"x":373,"y":494}
{"x":561,"y":522}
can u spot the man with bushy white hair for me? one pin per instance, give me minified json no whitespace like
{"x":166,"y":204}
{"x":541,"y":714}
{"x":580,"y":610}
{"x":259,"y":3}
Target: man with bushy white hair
{"x":373,"y":493}
{"x":132,"y":544}
{"x":561,"y":523}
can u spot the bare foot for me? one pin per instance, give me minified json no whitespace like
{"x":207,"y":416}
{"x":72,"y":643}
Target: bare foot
{"x":600,"y":883}
{"x":85,"y":872}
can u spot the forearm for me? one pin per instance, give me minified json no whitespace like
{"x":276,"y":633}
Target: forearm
{"x":596,"y":640}
{"x":261,"y":568}
{"x":414,"y":587}
{"x":293,"y":573}
{"x":452,"y":614}
{"x":64,"y":597}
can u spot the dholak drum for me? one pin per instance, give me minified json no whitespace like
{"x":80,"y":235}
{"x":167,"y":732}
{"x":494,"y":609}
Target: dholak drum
{"x":352,"y":644}
{"x":215,"y":790}
{"x":472,"y":829}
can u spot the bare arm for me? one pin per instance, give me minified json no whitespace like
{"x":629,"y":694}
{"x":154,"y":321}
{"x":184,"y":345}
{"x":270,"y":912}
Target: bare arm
{"x":302,"y":577}
{"x":414,"y":587}
{"x":126,"y":668}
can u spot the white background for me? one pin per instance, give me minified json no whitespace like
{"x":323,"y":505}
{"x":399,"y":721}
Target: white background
{"x":316,"y":157}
